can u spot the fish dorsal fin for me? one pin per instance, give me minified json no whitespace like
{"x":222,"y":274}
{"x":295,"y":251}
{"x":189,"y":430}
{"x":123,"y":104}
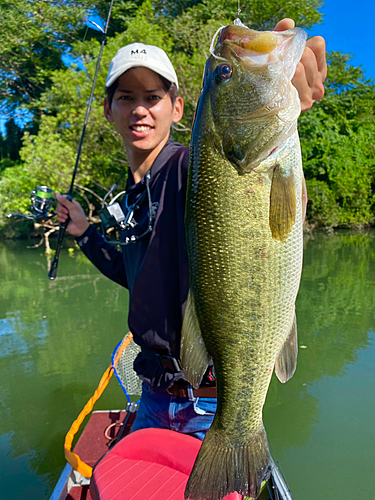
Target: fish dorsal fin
{"x":286,"y":361}
{"x":283,"y":204}
{"x":194,"y":355}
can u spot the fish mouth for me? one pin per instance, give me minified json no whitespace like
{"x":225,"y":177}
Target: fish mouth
{"x":251,"y":46}
{"x":262,"y":42}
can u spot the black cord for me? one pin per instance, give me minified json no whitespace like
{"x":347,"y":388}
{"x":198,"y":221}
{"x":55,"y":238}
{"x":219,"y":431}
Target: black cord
{"x":135,"y":238}
{"x":148,"y":177}
{"x":112,"y":189}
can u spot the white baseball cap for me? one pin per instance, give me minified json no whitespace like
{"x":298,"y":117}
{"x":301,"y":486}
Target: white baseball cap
{"x":139,"y":54}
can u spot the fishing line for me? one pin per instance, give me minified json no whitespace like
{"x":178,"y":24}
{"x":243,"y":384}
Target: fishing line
{"x":53,"y":271}
{"x":86,"y":31}
{"x":212,"y":47}
{"x":80,"y":60}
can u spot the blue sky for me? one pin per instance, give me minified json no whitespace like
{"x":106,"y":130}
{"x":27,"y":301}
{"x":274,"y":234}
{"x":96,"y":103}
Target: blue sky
{"x":347,"y":27}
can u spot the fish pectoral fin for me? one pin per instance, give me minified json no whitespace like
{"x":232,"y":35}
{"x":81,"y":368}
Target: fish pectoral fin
{"x":286,"y":361}
{"x":283,"y":204}
{"x":193,"y":354}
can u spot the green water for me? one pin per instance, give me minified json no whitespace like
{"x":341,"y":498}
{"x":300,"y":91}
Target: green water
{"x":56,"y":339}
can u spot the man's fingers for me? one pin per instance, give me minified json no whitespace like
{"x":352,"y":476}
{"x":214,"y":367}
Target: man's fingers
{"x":318,"y":91}
{"x":62,"y":210}
{"x":62,"y":218}
{"x":284,"y":25}
{"x":318,"y":46}
{"x":314,"y":76}
{"x":72,"y":210}
{"x":304,"y":91}
{"x":310,"y":65}
{"x":311,"y":70}
{"x":62,"y":213}
{"x":63,"y":200}
{"x":310,"y":73}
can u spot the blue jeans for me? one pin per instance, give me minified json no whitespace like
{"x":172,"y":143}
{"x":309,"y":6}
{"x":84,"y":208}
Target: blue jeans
{"x":166,"y":411}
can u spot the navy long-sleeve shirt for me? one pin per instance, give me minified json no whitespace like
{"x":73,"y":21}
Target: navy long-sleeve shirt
{"x":155,"y":268}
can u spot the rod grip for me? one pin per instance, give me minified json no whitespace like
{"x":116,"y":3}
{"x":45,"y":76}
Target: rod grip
{"x":53,"y":270}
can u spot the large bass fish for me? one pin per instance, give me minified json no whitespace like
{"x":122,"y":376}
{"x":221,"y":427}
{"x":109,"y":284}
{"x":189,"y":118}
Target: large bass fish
{"x":244,"y":233}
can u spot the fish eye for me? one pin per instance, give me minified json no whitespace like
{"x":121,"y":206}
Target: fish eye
{"x":223,"y":72}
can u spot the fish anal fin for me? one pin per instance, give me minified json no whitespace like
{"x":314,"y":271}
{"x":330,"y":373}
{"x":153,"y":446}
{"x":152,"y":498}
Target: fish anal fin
{"x":193,"y":354}
{"x":283,"y":204}
{"x":286,"y":361}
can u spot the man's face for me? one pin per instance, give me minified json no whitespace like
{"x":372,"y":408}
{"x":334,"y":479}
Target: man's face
{"x":142,"y":110}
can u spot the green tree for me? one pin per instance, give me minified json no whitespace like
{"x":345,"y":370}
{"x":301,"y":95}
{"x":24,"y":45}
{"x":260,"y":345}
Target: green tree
{"x":336,"y":135}
{"x":10,"y":144}
{"x":337,"y":138}
{"x":34,"y":38}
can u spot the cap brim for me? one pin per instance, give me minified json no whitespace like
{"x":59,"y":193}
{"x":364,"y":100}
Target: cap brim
{"x":153,"y":67}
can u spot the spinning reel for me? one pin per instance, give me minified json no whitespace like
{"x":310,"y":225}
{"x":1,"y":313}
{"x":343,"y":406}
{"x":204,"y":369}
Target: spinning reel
{"x":42,"y":201}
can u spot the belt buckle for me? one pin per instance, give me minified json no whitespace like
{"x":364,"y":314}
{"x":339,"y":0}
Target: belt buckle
{"x":190,"y":392}
{"x":182,"y":392}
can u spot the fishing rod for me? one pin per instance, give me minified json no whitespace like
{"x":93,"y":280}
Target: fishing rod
{"x":53,"y":270}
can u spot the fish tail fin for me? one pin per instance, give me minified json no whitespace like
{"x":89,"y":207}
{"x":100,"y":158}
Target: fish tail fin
{"x":221,"y":468}
{"x":286,"y":361}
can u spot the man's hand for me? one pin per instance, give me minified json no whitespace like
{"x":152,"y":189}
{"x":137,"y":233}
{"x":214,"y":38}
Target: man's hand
{"x":311,"y":70}
{"x":72,"y":209}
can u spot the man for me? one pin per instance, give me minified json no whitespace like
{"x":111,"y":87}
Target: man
{"x":142,"y":102}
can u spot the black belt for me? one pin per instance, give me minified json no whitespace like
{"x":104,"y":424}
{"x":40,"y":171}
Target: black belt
{"x":181,"y":387}
{"x":184,"y":390}
{"x":165,"y":361}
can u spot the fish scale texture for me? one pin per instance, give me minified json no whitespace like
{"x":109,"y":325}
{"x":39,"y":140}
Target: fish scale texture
{"x":245,"y":285}
{"x":244,"y":282}
{"x":245,"y":267}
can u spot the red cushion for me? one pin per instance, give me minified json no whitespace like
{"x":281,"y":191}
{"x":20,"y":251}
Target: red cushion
{"x":150,"y":464}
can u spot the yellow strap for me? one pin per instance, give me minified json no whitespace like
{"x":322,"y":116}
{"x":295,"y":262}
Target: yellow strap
{"x":124,"y":344}
{"x":72,"y":458}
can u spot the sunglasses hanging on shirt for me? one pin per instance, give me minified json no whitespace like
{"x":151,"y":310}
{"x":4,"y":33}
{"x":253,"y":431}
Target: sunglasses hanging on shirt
{"x":121,"y":218}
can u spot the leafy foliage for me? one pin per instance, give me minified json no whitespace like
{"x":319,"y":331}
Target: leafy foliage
{"x":336,"y":135}
{"x":10,"y":144}
{"x":337,"y":138}
{"x":33,"y":37}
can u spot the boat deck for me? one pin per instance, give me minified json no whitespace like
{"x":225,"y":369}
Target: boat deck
{"x":102,"y":429}
{"x":99,"y":433}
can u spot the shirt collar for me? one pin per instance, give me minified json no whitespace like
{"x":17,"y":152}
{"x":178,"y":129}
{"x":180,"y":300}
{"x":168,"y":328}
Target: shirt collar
{"x":168,"y":150}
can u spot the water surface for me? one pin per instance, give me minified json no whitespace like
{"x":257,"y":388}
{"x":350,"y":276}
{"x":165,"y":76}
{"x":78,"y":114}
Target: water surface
{"x":56,"y":339}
